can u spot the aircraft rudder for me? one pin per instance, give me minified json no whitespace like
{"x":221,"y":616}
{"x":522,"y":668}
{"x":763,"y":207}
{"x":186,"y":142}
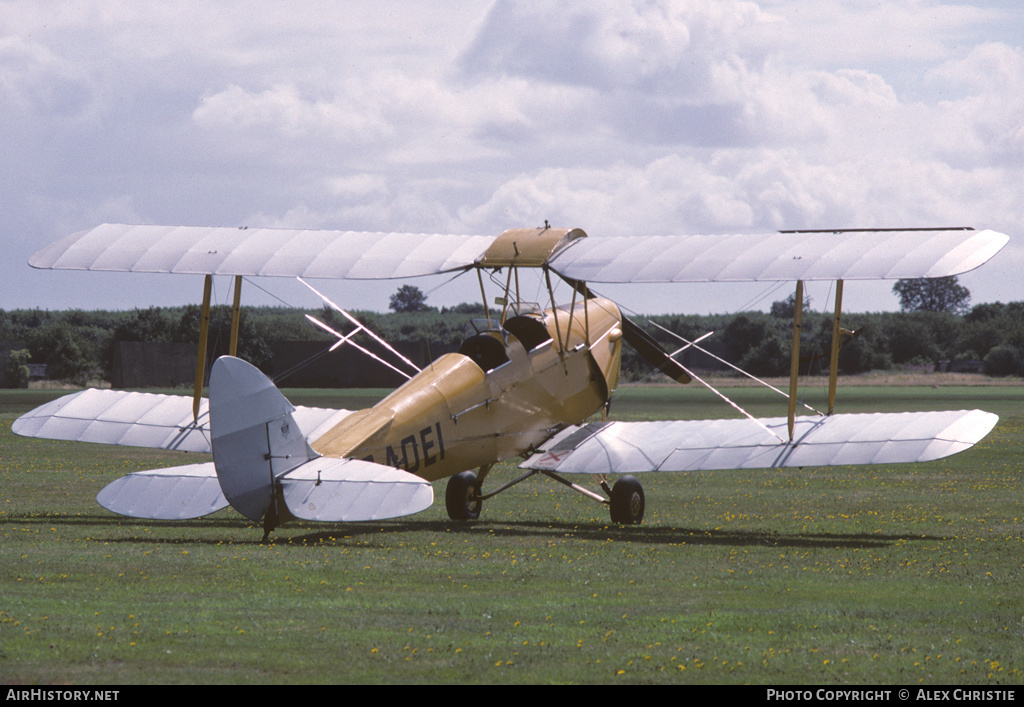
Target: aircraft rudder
{"x":254,"y":436}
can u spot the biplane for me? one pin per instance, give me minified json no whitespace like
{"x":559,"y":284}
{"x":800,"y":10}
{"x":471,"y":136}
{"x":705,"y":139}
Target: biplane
{"x":529,"y":382}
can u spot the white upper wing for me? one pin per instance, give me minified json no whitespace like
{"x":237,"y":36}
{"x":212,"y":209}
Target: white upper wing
{"x":835,"y":255}
{"x":260,"y":251}
{"x":846,"y":255}
{"x":700,"y":445}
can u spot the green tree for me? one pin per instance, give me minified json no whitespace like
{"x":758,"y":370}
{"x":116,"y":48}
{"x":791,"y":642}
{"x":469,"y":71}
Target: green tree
{"x":1004,"y":361}
{"x":937,"y":294}
{"x":786,"y":309}
{"x":408,"y":298}
{"x":61,"y":346}
{"x":253,"y":345}
{"x":767,"y":358}
{"x":17,"y":368}
{"x":150,"y":325}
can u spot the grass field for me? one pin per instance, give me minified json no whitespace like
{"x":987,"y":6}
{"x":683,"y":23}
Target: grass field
{"x":881,"y":575}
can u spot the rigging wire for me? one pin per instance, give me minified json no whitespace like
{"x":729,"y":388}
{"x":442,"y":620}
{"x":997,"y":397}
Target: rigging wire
{"x":721,"y":360}
{"x":353,"y":320}
{"x":317,"y":356}
{"x":758,"y":298}
{"x":450,"y":280}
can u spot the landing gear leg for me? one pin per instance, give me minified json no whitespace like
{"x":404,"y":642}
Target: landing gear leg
{"x":627,"y":501}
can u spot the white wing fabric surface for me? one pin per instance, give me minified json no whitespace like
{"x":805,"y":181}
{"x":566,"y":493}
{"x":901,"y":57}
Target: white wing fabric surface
{"x":140,"y":420}
{"x":700,"y":445}
{"x":260,"y":252}
{"x":323,"y":489}
{"x":849,"y":255}
{"x":174,"y":493}
{"x":350,"y":490}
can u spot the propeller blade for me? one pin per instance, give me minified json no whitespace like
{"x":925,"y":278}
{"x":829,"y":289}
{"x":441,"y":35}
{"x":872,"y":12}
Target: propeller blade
{"x":652,"y":351}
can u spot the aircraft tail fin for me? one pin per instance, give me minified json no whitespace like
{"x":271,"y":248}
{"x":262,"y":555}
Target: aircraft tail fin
{"x":267,"y":470}
{"x":254,"y":436}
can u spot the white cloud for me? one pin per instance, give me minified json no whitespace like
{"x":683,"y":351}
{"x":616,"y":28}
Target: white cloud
{"x":282,"y":111}
{"x":36,"y":83}
{"x":630,"y":117}
{"x":983,"y":119}
{"x":611,"y":46}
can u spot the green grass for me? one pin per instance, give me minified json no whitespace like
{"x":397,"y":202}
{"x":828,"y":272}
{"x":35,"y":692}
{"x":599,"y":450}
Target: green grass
{"x":896,"y":575}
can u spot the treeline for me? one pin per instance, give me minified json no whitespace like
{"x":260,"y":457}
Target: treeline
{"x":760,"y":342}
{"x":79,"y":345}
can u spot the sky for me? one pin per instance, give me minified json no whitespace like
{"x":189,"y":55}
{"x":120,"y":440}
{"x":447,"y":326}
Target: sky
{"x":621,"y":118}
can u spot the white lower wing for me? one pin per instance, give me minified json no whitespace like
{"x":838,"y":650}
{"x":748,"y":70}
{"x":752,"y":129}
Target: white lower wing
{"x":175,"y":493}
{"x":348,"y":490}
{"x":695,"y":445}
{"x":140,"y":420}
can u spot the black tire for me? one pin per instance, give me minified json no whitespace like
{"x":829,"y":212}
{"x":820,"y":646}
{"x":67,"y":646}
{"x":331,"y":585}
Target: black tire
{"x":627,"y":503}
{"x":461,"y":498}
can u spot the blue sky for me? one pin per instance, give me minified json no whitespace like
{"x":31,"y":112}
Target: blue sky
{"x":624,"y":118}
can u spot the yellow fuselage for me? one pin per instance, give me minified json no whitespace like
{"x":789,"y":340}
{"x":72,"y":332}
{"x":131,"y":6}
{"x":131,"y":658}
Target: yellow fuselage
{"x":504,"y":393}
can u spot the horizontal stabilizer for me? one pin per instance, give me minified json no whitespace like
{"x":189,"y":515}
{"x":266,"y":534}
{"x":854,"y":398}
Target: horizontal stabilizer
{"x":139,"y":420}
{"x":347,"y":490}
{"x":174,"y":493}
{"x":700,"y":445}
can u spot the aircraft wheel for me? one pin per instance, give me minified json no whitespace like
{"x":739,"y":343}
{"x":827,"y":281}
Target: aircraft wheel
{"x":461,"y":497}
{"x":627,"y":504}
